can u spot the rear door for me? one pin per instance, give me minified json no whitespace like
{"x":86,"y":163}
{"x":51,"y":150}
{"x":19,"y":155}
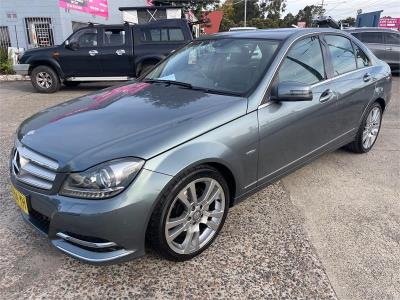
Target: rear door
{"x":352,"y":80}
{"x":392,"y":44}
{"x":82,"y":56}
{"x":116,"y":51}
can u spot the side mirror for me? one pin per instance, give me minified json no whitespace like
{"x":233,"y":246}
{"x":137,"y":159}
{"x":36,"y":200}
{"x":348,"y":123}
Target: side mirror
{"x":293,"y":91}
{"x":71,"y":45}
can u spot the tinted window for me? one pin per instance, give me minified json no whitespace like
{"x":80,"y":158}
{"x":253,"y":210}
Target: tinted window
{"x":342,"y":54}
{"x":362,"y":58}
{"x":372,"y":37}
{"x":85,"y":37}
{"x":161,"y":34}
{"x":114,"y":37}
{"x":227,"y":65}
{"x":304,"y":63}
{"x":392,"y":38}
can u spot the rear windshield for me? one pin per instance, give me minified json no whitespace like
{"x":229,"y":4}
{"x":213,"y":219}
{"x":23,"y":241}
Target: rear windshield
{"x":231,"y":65}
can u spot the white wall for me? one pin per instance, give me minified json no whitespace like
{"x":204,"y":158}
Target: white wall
{"x":61,"y":19}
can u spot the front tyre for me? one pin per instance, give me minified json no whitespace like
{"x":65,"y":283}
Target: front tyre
{"x":190,"y":214}
{"x":45,"y":80}
{"x":368,"y":131}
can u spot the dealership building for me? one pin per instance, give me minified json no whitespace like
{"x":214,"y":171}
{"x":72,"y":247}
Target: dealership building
{"x":39,"y":23}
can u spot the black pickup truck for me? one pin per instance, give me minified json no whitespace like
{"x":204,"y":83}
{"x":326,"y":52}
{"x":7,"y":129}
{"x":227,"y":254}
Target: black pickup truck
{"x":103,"y":53}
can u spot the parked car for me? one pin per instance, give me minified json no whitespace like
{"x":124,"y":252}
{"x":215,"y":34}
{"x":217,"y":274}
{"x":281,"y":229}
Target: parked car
{"x":384,"y":43}
{"x":103,"y":53}
{"x":160,"y":161}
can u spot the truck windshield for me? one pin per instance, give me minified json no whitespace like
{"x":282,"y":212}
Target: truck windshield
{"x":225,"y":65}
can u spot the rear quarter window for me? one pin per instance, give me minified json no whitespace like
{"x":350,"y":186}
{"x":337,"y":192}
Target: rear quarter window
{"x":372,"y":37}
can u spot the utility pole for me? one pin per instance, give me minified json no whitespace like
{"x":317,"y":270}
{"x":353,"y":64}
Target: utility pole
{"x":245,"y":12}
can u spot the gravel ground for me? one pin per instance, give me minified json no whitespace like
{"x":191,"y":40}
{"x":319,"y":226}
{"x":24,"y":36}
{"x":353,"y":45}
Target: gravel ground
{"x":275,"y":244}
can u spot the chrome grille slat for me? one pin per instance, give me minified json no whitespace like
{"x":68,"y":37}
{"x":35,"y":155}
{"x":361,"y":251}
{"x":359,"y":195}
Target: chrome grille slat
{"x":38,"y":171}
{"x":34,"y":181}
{"x":38,"y":159}
{"x":34,"y":169}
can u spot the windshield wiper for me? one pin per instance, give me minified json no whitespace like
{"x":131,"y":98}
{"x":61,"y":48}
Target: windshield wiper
{"x":189,"y":86}
{"x":184,"y":84}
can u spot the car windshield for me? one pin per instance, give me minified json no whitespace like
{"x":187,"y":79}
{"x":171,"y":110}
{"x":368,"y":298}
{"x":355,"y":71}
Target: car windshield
{"x":223,"y":65}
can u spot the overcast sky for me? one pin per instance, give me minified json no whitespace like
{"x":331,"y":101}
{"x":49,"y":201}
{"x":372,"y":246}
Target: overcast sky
{"x":340,"y":9}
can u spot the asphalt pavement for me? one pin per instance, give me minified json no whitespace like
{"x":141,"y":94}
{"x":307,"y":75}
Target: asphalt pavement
{"x":330,"y":230}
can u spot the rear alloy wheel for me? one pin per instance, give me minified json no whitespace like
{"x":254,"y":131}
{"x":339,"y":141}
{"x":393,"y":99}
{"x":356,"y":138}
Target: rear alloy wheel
{"x":45,"y":79}
{"x":368,"y":131}
{"x":190,"y":216}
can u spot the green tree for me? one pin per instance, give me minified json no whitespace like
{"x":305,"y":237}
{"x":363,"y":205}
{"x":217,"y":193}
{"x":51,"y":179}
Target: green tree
{"x":252,"y":10}
{"x":274,"y":8}
{"x":349,"y":20}
{"x":288,"y":20}
{"x":308,"y":13}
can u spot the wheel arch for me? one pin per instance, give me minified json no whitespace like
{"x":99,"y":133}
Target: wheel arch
{"x":52,"y":64}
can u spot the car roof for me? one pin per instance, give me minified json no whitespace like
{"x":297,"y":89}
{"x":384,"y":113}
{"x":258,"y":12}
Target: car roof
{"x":274,"y":34}
{"x":369,"y":29}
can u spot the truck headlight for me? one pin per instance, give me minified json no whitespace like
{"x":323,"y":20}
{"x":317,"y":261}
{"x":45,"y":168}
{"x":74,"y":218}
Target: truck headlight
{"x":102,"y":181}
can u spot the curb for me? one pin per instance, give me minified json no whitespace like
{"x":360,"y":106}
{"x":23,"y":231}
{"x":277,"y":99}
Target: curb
{"x":13,"y":77}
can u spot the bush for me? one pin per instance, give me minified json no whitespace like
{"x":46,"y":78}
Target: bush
{"x":5,"y":63}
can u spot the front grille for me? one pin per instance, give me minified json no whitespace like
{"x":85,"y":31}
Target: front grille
{"x":34,"y":169}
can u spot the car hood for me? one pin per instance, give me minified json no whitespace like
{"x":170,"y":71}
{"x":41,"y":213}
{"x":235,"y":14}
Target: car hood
{"x":137,"y":119}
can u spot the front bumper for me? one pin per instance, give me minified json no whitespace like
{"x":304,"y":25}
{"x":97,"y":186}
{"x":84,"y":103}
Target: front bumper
{"x":97,"y":231}
{"x":21,"y":69}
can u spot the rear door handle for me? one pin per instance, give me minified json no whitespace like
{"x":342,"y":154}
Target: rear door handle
{"x":389,"y":49}
{"x":326,"y":95}
{"x":367,"y":77}
{"x":93,"y":52}
{"x":120,"y":51}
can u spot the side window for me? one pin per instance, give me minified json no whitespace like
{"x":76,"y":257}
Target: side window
{"x":161,"y":34}
{"x":85,"y":38}
{"x":114,"y":37}
{"x":304,"y":63}
{"x":372,"y":37}
{"x":392,"y":38}
{"x":362,"y":58}
{"x":342,"y":54}
{"x":176,"y":34}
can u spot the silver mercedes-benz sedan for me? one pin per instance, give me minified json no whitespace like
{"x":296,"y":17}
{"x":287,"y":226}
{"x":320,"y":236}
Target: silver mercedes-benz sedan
{"x":159,"y":161}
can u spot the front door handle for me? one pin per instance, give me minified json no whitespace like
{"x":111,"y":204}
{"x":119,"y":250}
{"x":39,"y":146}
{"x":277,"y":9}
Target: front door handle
{"x":326,"y":95}
{"x":367,"y":77}
{"x":389,"y":49}
{"x":120,"y":51}
{"x":93,"y":52}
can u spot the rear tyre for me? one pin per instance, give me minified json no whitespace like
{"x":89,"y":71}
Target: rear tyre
{"x":45,"y":80}
{"x":369,"y":130}
{"x":71,"y":83}
{"x":190,"y":214}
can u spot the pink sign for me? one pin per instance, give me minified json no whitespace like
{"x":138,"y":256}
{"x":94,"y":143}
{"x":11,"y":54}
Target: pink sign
{"x":390,"y":23}
{"x":94,"y":7}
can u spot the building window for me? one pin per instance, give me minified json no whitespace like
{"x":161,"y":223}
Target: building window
{"x":4,"y":38}
{"x":39,"y":32}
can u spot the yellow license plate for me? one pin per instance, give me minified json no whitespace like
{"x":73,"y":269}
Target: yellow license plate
{"x":20,"y":199}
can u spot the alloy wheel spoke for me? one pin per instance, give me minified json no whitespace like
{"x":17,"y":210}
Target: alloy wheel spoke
{"x":182,"y":196}
{"x":187,"y":243}
{"x":192,"y":190}
{"x":215,"y":214}
{"x":212,"y":225}
{"x":175,"y":222}
{"x":176,"y":232}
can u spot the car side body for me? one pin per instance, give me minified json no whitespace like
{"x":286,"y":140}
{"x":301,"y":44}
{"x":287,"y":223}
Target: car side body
{"x":252,"y":140}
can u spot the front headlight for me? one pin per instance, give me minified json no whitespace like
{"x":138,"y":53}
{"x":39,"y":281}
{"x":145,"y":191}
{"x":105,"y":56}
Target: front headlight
{"x":102,"y":181}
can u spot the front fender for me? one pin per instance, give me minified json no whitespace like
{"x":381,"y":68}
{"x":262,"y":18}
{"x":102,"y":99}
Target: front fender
{"x":233,"y":145}
{"x":47,"y":61}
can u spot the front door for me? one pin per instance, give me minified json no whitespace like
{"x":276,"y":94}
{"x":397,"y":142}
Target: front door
{"x":82,"y":56}
{"x":290,"y":132}
{"x":392,"y":44}
{"x":116,"y":51}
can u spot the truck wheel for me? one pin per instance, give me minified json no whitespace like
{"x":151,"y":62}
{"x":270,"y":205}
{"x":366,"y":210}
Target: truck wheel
{"x":71,"y":83}
{"x":45,"y":80}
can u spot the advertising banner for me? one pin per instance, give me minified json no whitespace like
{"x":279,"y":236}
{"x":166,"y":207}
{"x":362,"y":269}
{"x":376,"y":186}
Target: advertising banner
{"x":393,"y":23}
{"x":94,"y":7}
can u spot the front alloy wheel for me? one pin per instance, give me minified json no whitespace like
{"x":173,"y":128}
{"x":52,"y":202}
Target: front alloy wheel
{"x":195,"y":215}
{"x":190,"y":214}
